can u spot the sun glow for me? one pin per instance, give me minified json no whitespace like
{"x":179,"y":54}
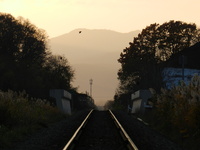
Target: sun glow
{"x":12,"y":7}
{"x":58,"y":17}
{"x":62,"y":16}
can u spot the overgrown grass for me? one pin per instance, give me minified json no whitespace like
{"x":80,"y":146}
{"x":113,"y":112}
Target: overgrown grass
{"x":176,"y":113}
{"x":20,"y":116}
{"x":188,"y":142}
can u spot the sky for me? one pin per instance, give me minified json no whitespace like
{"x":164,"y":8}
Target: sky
{"x":58,"y":17}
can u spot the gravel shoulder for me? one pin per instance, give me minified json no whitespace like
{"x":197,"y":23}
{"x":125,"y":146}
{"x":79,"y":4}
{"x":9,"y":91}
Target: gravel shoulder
{"x":143,"y":136}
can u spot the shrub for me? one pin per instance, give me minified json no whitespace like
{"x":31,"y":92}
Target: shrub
{"x":179,"y":107}
{"x":20,"y":115}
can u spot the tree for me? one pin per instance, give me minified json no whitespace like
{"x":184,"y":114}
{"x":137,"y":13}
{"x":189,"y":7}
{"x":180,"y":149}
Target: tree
{"x":174,"y":36}
{"x":26,"y":63}
{"x":8,"y":42}
{"x":108,"y":104}
{"x":22,"y":50}
{"x":59,"y":72}
{"x":140,"y":62}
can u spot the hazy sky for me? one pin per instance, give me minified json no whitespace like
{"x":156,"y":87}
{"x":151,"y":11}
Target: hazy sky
{"x":58,"y":17}
{"x":62,"y":16}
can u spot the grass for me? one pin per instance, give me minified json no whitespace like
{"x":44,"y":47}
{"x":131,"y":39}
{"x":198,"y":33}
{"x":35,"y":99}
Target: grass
{"x":187,"y":142}
{"x":20,"y":116}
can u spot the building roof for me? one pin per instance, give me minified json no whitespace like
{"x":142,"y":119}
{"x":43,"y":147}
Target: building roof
{"x":191,"y":58}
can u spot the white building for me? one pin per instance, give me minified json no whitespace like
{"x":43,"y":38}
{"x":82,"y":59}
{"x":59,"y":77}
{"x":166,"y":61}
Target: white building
{"x":63,"y":99}
{"x":139,"y":101}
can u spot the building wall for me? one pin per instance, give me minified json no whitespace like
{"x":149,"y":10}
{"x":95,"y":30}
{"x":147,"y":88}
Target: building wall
{"x":139,"y":100}
{"x":173,"y":76}
{"x":66,"y":106}
{"x":136,"y":106}
{"x":63,"y":99}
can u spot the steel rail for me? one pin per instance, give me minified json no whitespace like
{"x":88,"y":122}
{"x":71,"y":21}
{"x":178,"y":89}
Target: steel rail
{"x":131,"y":146}
{"x":77,"y":131}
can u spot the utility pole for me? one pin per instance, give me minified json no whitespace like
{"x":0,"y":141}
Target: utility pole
{"x":91,"y":87}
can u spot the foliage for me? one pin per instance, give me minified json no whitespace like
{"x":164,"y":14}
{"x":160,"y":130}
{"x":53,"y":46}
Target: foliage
{"x":26,"y":62}
{"x":20,"y":116}
{"x":82,"y":102}
{"x":141,"y":61}
{"x":121,"y":100}
{"x":108,"y":104}
{"x":59,"y":72}
{"x":113,"y":105}
{"x":180,"y":107}
{"x":22,"y":48}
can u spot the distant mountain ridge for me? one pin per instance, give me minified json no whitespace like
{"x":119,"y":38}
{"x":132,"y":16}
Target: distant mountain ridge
{"x":94,"y":54}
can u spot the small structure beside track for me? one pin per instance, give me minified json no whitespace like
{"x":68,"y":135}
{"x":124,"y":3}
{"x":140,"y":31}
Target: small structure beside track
{"x":63,"y":99}
{"x":139,"y":100}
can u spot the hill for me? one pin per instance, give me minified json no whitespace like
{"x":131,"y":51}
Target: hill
{"x":93,"y":54}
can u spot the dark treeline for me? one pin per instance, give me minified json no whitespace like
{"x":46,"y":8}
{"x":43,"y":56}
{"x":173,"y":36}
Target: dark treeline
{"x":142,"y":62}
{"x":26,"y":62}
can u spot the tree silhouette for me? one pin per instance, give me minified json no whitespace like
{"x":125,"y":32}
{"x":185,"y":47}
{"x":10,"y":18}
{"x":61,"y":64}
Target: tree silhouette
{"x":59,"y":72}
{"x":140,"y":62}
{"x":26,"y":63}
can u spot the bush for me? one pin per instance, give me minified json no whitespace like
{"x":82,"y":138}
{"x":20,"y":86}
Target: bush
{"x":178,"y":110}
{"x":20,"y":115}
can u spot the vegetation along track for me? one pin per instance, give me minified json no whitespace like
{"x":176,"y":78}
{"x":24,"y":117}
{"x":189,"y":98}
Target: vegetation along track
{"x":100,"y":130}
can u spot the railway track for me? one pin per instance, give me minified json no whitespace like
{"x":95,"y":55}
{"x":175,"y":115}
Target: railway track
{"x":100,"y":130}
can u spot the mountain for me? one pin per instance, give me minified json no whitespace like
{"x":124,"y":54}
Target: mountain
{"x":93,"y":54}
